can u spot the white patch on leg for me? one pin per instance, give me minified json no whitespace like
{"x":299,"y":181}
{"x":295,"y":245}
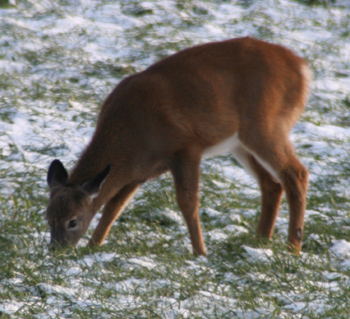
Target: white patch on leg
{"x":233,"y":145}
{"x":241,"y":153}
{"x":223,"y":147}
{"x":242,"y":156}
{"x":266,"y":166}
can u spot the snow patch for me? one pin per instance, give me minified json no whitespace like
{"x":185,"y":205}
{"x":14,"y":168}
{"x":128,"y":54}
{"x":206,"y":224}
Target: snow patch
{"x":341,"y":249}
{"x":258,"y":254}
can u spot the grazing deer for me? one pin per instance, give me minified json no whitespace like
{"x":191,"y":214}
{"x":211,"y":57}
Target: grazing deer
{"x":242,"y":95}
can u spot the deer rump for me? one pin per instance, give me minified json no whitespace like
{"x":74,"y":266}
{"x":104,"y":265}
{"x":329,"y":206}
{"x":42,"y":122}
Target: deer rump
{"x":241,"y":95}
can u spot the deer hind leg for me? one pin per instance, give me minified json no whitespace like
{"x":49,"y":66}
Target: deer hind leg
{"x":271,"y":190}
{"x":185,"y":171}
{"x":275,"y":153}
{"x":111,"y":212}
{"x":271,"y":196}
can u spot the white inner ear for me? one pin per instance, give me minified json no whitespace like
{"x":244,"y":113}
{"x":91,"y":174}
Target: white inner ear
{"x":94,"y":195}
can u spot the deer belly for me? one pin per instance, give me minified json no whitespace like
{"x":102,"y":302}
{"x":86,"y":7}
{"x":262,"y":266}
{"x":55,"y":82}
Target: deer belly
{"x":224,"y":147}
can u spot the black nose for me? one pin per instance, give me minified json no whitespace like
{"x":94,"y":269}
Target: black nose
{"x":52,"y":246}
{"x":55,"y":245}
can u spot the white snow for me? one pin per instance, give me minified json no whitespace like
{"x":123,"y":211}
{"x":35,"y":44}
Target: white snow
{"x":341,"y":248}
{"x":143,"y":262}
{"x":258,"y":254}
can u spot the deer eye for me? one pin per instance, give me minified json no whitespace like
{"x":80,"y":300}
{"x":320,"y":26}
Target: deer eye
{"x":72,"y":224}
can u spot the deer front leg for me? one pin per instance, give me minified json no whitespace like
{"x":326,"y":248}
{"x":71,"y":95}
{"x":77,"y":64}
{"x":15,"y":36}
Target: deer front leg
{"x":111,"y":212}
{"x":185,"y":170}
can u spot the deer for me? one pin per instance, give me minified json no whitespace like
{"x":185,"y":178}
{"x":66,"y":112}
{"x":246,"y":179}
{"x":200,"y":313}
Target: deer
{"x":241,"y":95}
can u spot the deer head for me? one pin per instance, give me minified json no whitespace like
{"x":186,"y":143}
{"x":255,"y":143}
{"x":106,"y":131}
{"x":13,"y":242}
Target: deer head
{"x":71,"y":207}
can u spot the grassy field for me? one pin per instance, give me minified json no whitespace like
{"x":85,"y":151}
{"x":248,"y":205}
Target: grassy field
{"x":58,"y":62}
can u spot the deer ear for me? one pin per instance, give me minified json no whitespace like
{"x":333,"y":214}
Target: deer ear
{"x":57,"y":174}
{"x":93,"y":186}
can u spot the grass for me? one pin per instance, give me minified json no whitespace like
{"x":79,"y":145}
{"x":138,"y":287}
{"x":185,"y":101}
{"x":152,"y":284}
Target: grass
{"x":58,"y":61}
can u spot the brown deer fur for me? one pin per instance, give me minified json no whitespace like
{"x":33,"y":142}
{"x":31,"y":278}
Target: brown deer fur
{"x":243,"y":95}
